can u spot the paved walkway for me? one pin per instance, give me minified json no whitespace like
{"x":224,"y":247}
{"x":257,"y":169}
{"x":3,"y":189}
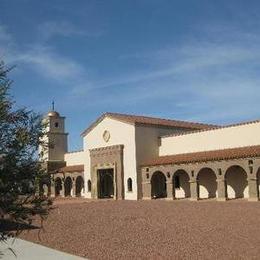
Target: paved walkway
{"x":25,"y":250}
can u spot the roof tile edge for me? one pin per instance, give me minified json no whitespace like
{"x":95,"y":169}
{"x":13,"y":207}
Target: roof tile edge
{"x":211,"y":129}
{"x":125,"y":118}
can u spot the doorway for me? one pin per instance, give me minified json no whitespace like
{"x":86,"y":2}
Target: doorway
{"x":105,"y":183}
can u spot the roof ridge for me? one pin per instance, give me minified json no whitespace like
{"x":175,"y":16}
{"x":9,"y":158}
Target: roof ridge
{"x":159,"y":118}
{"x":148,"y":120}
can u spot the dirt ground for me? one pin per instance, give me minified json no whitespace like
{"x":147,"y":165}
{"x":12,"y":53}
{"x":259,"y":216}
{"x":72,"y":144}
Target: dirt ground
{"x":155,"y":229}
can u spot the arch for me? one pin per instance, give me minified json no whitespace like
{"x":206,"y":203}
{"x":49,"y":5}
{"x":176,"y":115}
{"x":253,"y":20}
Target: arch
{"x":181,"y":185}
{"x":67,"y":187}
{"x":106,"y":184}
{"x":258,"y":182}
{"x":79,"y":186}
{"x":207,"y":183}
{"x":158,"y":185}
{"x":129,"y":185}
{"x":89,"y":185}
{"x":236,"y":182}
{"x":45,"y":189}
{"x":58,"y":186}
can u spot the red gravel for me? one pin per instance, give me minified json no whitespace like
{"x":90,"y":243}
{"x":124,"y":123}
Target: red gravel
{"x":153,"y":229}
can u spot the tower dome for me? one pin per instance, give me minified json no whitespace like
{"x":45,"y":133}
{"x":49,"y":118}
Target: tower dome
{"x":53,"y":113}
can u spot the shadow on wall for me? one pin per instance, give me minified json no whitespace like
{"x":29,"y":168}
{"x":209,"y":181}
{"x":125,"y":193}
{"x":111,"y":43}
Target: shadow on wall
{"x":207,"y":183}
{"x":181,"y":185}
{"x":236,"y":182}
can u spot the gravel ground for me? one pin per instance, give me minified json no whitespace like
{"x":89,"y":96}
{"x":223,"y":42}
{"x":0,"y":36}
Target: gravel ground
{"x":153,"y":229}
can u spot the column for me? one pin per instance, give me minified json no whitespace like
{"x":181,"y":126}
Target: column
{"x":222,"y":193}
{"x":253,"y":189}
{"x":52,"y":189}
{"x":193,"y":189}
{"x":73,"y":189}
{"x":62,"y":191}
{"x":169,"y":190}
{"x":146,"y":190}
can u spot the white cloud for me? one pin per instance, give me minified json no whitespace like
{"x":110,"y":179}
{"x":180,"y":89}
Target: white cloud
{"x":50,"y":64}
{"x":40,"y":58}
{"x":207,"y":80}
{"x":50,"y":29}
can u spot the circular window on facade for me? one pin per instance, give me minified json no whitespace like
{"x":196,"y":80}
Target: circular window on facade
{"x":106,"y":136}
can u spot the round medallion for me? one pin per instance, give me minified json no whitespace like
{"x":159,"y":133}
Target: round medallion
{"x":106,"y":136}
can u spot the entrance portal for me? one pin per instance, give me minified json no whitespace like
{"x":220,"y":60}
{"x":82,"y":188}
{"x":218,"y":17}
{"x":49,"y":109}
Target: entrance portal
{"x":106,"y":183}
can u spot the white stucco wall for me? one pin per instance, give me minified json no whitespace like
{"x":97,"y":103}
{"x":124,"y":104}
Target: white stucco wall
{"x":147,"y":141}
{"x":120,"y":133}
{"x":228,"y":137}
{"x":75,"y":158}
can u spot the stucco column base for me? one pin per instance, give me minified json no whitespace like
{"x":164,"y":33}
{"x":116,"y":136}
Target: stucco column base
{"x":253,"y":199}
{"x":252,"y":189}
{"x":146,"y":198}
{"x":194,"y":199}
{"x":221,"y":199}
{"x":194,"y":190}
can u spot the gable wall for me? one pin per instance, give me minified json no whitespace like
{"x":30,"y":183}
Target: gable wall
{"x":120,"y":133}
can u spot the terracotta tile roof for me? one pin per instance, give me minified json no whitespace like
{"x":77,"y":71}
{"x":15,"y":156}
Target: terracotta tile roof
{"x":145,"y":120}
{"x":72,"y":168}
{"x":212,"y":128}
{"x":225,"y":154}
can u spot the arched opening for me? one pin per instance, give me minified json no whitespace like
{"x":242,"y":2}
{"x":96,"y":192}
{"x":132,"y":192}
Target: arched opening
{"x":89,"y":185}
{"x":207,"y":183}
{"x":68,"y":186}
{"x":181,"y":185}
{"x":258,"y":182}
{"x":106,"y":183}
{"x":158,"y":185}
{"x":58,"y":186}
{"x":129,"y":185}
{"x":44,"y":189}
{"x":79,"y":186}
{"x":236,"y":182}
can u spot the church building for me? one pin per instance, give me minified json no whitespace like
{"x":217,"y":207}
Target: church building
{"x":137,"y":157}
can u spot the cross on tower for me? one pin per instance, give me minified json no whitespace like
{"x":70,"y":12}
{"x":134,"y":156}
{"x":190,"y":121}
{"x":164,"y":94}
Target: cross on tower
{"x":53,"y":105}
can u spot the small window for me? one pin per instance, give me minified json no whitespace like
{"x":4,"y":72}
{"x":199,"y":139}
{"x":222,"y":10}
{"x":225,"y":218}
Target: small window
{"x":250,"y":162}
{"x":56,"y":124}
{"x":177,"y":184}
{"x":89,"y":185}
{"x":129,"y":185}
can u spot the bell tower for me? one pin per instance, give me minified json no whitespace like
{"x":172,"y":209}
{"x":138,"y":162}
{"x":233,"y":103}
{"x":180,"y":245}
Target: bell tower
{"x":55,"y":138}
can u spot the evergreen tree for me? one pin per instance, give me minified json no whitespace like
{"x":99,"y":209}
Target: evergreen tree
{"x":20,"y":171}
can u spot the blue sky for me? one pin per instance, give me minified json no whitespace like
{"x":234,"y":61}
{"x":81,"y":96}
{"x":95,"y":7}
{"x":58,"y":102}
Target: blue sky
{"x":191,"y":60}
